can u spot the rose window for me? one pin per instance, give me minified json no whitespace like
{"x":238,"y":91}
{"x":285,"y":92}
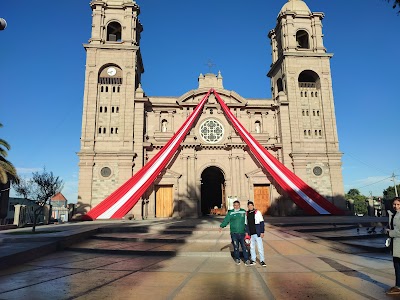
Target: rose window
{"x":211,"y":131}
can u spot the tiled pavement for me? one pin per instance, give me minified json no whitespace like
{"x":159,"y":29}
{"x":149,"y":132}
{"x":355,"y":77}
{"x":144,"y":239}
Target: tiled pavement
{"x":190,"y":259}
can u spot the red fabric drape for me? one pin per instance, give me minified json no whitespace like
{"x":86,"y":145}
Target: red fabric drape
{"x":301,"y":193}
{"x":119,"y":203}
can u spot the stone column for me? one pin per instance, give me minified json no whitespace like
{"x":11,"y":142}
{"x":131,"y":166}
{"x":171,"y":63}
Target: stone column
{"x":243,"y":191}
{"x":233,"y":175}
{"x":192,"y":179}
{"x":188,"y":176}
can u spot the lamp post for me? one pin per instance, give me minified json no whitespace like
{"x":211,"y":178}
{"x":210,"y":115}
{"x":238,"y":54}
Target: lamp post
{"x":3,"y":24}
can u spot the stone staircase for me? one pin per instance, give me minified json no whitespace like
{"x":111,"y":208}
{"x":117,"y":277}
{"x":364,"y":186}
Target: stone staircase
{"x":201,"y":238}
{"x":367,"y":236}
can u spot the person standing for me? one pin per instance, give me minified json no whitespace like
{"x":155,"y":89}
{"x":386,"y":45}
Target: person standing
{"x":255,"y":228}
{"x":394,"y":234}
{"x":236,"y":218}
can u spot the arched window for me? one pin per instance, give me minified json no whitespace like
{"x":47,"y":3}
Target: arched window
{"x":305,"y":132}
{"x":302,"y":39}
{"x":164,"y":125}
{"x":301,"y":94}
{"x":112,"y":109}
{"x":309,"y":79}
{"x":307,"y":113}
{"x":313,"y":113}
{"x":303,"y":112}
{"x":100,"y":130}
{"x":279,"y":85}
{"x":106,"y":89}
{"x":102,"y":89}
{"x":116,"y":130}
{"x":104,"y":130}
{"x":257,"y":127}
{"x":318,"y":113}
{"x":114,"y":31}
{"x":117,"y":109}
{"x":309,"y":132}
{"x":118,"y":89}
{"x":105,"y":109}
{"x":112,"y":131}
{"x":101,"y":108}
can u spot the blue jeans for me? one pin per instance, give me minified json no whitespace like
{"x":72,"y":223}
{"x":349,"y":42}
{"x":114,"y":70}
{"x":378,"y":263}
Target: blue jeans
{"x":396,"y":263}
{"x":256,"y":240}
{"x":238,"y":238}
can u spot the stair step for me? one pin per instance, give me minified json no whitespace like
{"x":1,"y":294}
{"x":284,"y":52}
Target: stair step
{"x":150,"y":238}
{"x":154,"y":248}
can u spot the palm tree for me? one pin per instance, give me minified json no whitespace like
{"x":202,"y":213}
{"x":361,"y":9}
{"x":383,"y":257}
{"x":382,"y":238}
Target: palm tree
{"x":7,"y":170}
{"x":396,"y":3}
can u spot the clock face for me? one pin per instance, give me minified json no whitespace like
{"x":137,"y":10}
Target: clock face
{"x":111,"y":71}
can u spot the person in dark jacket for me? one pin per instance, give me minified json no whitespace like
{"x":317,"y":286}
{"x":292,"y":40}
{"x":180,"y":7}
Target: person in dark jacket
{"x":236,"y":217}
{"x":255,"y":228}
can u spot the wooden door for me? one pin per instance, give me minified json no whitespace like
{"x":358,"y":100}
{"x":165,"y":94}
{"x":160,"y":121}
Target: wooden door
{"x":262,"y":201}
{"x":164,"y":201}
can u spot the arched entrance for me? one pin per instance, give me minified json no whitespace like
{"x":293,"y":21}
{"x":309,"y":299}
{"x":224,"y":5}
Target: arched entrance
{"x":212,"y":189}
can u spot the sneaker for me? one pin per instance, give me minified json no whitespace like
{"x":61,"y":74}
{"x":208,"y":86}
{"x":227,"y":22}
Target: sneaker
{"x":252,"y":262}
{"x":263,"y":264}
{"x":237,"y":261}
{"x":247,"y":263}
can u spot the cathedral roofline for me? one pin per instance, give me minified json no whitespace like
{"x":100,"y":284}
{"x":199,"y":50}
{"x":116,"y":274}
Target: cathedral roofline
{"x":190,"y":97}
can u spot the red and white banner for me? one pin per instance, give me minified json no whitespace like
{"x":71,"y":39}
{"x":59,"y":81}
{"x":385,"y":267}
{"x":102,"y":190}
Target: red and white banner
{"x":119,"y":203}
{"x":302,"y":194}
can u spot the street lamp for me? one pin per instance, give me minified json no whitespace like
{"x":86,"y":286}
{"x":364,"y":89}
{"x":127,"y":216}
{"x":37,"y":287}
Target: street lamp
{"x":3,"y":24}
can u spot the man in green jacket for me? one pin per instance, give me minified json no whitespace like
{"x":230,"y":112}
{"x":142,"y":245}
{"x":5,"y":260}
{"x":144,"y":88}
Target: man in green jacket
{"x":236,"y":217}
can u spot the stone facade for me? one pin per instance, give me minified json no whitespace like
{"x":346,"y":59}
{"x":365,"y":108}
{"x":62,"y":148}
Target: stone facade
{"x":123,"y":128}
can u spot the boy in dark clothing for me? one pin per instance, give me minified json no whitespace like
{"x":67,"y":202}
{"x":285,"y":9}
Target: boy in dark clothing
{"x":236,"y":217}
{"x":255,"y":228}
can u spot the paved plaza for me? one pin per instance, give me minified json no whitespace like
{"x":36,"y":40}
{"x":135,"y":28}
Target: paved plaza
{"x":190,"y":259}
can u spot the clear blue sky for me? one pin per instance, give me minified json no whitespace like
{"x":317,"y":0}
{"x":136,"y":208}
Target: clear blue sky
{"x":43,"y":63}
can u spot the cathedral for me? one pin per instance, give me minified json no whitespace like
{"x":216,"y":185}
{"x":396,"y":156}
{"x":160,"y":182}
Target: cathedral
{"x":123,"y":128}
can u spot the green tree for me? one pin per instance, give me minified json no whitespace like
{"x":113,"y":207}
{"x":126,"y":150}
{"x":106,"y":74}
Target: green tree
{"x":7,"y":170}
{"x":390,"y":193}
{"x":360,"y":201}
{"x":353,"y":193}
{"x":396,"y":3}
{"x":41,"y":188}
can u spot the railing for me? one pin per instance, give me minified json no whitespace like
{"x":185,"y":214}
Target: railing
{"x":307,"y":85}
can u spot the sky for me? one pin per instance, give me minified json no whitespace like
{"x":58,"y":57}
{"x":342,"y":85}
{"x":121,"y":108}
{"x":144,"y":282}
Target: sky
{"x":43,"y":64}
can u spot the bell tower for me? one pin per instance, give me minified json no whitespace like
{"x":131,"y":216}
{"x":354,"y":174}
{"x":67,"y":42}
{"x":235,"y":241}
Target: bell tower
{"x":302,"y":90}
{"x":113,"y":74}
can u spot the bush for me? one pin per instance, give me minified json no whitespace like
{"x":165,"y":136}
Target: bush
{"x":360,"y":206}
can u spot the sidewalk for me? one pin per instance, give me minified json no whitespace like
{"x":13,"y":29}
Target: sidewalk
{"x":125,"y":260}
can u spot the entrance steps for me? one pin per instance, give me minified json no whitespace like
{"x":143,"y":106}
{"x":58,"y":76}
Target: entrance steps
{"x":160,"y":240}
{"x":366,"y":237}
{"x":201,"y":237}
